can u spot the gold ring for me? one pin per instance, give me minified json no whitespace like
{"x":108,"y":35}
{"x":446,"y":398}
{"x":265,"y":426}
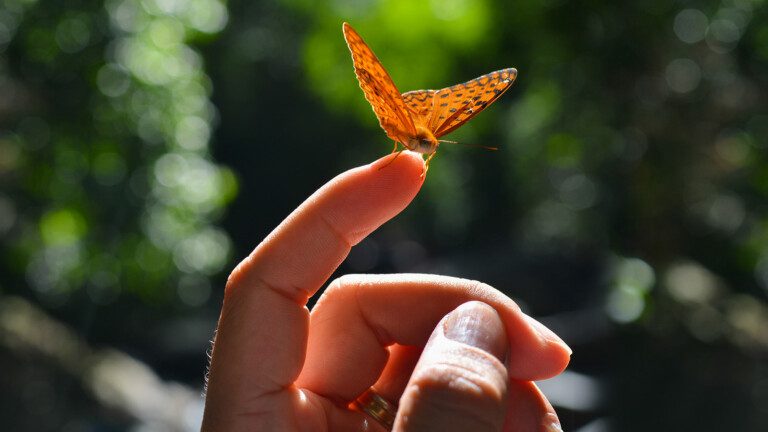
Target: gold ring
{"x":377,"y":407}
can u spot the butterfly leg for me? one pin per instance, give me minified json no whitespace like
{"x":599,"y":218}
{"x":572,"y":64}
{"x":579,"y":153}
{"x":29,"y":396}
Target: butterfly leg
{"x":393,"y":159}
{"x":426,"y":163}
{"x":394,"y":149}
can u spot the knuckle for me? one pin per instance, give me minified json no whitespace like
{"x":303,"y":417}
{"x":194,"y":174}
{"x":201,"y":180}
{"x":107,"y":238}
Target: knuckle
{"x":236,"y":277}
{"x":482,"y":290}
{"x":451,"y":403}
{"x":481,"y":286}
{"x":338,"y":287}
{"x":335,"y":286}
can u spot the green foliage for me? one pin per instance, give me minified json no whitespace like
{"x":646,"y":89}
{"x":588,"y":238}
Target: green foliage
{"x":107,"y":115}
{"x":630,"y":183}
{"x":650,"y":108}
{"x":418,"y":42}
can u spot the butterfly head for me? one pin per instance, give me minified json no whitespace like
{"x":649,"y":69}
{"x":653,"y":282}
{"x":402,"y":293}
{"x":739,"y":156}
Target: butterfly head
{"x":423,"y":142}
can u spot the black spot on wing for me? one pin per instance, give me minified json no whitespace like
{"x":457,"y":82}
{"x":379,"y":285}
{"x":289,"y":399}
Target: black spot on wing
{"x":468,"y":102}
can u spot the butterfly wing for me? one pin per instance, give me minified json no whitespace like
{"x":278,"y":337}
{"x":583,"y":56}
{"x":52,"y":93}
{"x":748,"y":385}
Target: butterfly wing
{"x":379,"y":89}
{"x":419,"y":103}
{"x":453,"y":106}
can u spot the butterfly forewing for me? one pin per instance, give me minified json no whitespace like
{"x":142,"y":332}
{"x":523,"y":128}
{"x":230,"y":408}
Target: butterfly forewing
{"x":379,"y":89}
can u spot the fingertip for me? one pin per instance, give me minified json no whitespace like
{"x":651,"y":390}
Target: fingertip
{"x":559,"y":352}
{"x":559,"y":358}
{"x":547,"y":334}
{"x":360,"y":200}
{"x":406,"y":165}
{"x":541,"y":353}
{"x":404,"y":171}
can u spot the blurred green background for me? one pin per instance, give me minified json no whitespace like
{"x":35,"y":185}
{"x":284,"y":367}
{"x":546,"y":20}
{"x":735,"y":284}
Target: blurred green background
{"x":146,"y":146}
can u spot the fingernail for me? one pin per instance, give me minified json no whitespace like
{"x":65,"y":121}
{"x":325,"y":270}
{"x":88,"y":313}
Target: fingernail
{"x":478,"y":325}
{"x":547,"y":334}
{"x":552,"y":423}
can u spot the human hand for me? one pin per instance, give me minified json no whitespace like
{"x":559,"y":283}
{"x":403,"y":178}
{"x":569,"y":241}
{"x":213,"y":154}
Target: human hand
{"x":277,"y":367}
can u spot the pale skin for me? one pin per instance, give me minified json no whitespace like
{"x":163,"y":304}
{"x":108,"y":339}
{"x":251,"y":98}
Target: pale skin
{"x":456,"y":354}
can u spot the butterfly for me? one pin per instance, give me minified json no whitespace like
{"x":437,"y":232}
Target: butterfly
{"x":417,"y":119}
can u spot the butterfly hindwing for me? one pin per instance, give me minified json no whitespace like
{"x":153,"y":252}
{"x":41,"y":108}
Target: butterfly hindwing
{"x":419,"y":103}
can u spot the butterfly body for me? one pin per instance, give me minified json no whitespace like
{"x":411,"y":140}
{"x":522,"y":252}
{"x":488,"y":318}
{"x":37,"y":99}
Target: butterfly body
{"x":423,"y":142}
{"x":417,"y":119}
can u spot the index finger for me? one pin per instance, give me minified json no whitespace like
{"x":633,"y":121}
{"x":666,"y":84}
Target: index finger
{"x":262,"y":331}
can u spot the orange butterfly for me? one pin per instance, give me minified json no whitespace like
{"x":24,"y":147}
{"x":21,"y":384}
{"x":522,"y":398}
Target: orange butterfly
{"x":418,"y":118}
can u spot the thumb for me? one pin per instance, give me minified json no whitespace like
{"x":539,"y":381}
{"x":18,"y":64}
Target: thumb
{"x":459,"y":383}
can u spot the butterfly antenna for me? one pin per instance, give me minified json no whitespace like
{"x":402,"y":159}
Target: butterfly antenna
{"x":469,"y":145}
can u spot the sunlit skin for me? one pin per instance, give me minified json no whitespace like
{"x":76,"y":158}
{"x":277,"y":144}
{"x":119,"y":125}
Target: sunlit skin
{"x":276,"y":366}
{"x":417,"y":119}
{"x":454,"y":354}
